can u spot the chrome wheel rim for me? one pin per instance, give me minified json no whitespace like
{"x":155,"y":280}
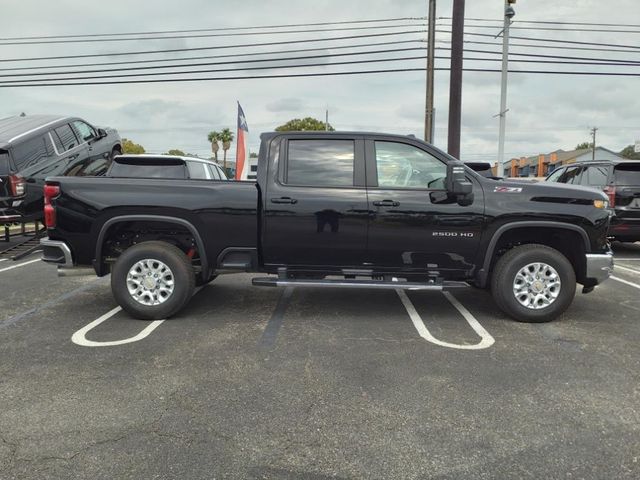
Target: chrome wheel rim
{"x":150,"y":282}
{"x":536,"y":286}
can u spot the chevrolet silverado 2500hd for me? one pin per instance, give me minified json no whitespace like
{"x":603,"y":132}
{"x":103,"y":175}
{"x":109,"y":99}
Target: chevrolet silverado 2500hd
{"x":335,"y":209}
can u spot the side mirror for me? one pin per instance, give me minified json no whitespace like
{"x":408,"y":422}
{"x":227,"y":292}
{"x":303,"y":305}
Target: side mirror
{"x":101,"y":133}
{"x":457,"y":184}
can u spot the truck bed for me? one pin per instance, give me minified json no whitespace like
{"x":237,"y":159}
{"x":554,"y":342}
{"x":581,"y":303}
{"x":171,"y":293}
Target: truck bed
{"x":86,"y":204}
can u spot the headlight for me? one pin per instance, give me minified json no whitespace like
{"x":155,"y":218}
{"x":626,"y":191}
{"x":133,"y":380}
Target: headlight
{"x":601,"y":203}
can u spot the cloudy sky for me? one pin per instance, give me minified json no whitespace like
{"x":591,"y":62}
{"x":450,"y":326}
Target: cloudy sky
{"x":546,"y":112}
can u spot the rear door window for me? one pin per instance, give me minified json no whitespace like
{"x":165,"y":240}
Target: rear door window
{"x":29,"y":152}
{"x":627,"y":174}
{"x":320,"y":163}
{"x":571,"y":175}
{"x":197,"y":171}
{"x":215,"y":174}
{"x":67,"y":138}
{"x":595,"y":176}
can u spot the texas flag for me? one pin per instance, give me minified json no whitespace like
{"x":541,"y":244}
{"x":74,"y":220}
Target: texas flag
{"x":242,"y":162}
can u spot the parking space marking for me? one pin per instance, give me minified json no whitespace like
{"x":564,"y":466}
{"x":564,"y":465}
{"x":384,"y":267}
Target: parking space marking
{"x":618,"y":266}
{"x":486,"y":339}
{"x":79,"y":337}
{"x":19,"y":265}
{"x":626,"y":282}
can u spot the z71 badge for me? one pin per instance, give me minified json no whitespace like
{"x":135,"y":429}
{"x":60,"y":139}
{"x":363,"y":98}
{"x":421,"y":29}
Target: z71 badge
{"x":507,"y":189}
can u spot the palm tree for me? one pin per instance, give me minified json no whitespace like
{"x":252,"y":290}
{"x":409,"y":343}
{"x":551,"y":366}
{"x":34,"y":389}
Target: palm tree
{"x":226,"y":137}
{"x":214,"y":138}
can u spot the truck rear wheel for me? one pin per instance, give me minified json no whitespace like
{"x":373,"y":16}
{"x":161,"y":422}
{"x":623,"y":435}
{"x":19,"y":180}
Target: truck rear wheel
{"x":152,"y":280}
{"x":533,"y":283}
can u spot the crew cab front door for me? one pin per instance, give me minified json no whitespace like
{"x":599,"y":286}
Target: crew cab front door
{"x":414,"y":226}
{"x":315,"y":206}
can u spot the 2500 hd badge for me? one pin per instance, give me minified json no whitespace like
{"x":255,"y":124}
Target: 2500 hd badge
{"x":453,"y":234}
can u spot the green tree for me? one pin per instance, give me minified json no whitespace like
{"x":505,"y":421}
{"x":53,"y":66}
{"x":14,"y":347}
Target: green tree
{"x":214,"y":138}
{"x":584,"y":146}
{"x":225,"y":137}
{"x":304,"y":125}
{"x":129,"y":147}
{"x":176,"y":152}
{"x":628,"y":152}
{"x":253,"y":155}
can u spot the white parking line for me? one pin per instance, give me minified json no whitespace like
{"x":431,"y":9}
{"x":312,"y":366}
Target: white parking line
{"x":79,"y":337}
{"x":486,"y":339}
{"x":618,"y":266}
{"x":627,"y":259}
{"x":19,"y":265}
{"x":626,"y":282}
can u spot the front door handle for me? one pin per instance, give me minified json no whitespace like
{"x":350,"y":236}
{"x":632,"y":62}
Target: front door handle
{"x":288,"y":200}
{"x":387,"y":203}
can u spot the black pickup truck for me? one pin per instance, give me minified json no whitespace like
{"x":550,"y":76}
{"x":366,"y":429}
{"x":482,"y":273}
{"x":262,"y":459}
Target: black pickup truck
{"x":339,"y":210}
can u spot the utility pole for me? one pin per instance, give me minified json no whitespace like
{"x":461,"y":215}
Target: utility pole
{"x":326,"y":119}
{"x":455,"y":82}
{"x":431,"y":41}
{"x":509,"y":13}
{"x":593,"y":144}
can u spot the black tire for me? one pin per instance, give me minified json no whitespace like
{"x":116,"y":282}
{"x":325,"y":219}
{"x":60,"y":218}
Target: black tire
{"x":504,"y":275}
{"x":181,"y":273}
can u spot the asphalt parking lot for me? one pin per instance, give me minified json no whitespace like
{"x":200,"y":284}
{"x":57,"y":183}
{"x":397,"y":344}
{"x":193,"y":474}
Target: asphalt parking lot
{"x":315,"y":383}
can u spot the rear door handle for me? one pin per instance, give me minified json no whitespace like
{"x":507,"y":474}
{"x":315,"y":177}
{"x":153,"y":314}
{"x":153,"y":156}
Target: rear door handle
{"x":284,"y":200}
{"x":387,"y":203}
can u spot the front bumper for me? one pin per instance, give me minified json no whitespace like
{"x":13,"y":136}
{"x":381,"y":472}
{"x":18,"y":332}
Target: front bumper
{"x":55,"y":251}
{"x":599,"y":267}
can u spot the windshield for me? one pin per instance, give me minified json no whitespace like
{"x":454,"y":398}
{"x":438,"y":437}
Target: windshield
{"x":5,"y":169}
{"x":628,"y":174}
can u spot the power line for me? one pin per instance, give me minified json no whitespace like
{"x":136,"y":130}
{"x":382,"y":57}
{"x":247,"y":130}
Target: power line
{"x":551,"y":22}
{"x":550,"y":29}
{"x":216,"y":47}
{"x":316,"y":74}
{"x":551,"y":40}
{"x":554,"y":47}
{"x":204,"y":57}
{"x":598,"y":61}
{"x":273,"y":67}
{"x":228,"y":62}
{"x":260,"y":27}
{"x":206,"y":35}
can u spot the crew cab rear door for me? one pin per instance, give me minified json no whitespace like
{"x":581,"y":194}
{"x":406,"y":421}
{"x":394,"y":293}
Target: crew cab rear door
{"x":315,"y":207}
{"x":413,"y":226}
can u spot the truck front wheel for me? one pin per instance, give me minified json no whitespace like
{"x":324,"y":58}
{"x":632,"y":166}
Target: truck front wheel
{"x":533,"y":283}
{"x":152,"y":280}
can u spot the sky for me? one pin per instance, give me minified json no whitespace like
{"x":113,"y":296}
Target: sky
{"x":546,"y":112}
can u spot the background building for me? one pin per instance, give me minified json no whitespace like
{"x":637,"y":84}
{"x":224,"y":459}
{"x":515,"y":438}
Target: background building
{"x":543,"y":164}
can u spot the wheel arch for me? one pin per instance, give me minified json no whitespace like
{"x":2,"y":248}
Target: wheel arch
{"x":99,"y":265}
{"x":542,"y":227}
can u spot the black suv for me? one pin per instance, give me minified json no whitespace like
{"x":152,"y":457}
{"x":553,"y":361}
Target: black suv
{"x":620,"y":180}
{"x":33,"y":147}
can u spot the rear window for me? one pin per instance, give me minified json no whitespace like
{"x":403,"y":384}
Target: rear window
{"x":5,"y":168}
{"x":148,"y":168}
{"x":320,"y":162}
{"x":627,"y":174}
